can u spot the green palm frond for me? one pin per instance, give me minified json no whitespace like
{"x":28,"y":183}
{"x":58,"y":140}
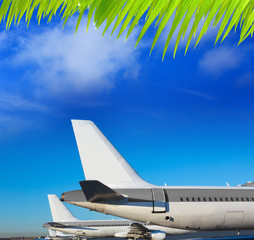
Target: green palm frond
{"x":196,"y":15}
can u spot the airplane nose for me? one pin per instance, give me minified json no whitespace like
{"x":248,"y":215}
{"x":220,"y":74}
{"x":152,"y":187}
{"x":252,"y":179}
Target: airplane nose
{"x":62,"y":197}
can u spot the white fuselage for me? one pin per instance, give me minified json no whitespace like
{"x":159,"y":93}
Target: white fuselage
{"x":110,"y":228}
{"x":113,"y":187}
{"x":229,"y":208}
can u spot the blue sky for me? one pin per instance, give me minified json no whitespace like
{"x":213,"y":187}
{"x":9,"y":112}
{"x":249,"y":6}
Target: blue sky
{"x":187,"y":121}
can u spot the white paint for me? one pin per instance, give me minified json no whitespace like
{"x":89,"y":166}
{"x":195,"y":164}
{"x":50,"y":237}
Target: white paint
{"x":97,"y":154}
{"x":100,"y":160}
{"x":82,"y":228}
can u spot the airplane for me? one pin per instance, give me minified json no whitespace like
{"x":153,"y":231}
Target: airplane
{"x":66,"y":226}
{"x":113,"y":187}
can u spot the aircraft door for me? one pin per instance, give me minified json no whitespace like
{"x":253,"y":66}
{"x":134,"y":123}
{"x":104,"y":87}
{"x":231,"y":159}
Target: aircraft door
{"x":159,"y":200}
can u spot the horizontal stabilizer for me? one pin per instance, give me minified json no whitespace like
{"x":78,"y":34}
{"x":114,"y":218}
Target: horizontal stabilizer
{"x":54,"y":225}
{"x":96,"y":191}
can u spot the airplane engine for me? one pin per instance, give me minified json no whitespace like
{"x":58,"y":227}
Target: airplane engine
{"x":158,"y":235}
{"x":121,"y":234}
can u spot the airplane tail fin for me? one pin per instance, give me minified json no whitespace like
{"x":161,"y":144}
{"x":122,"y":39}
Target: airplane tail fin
{"x":58,"y":235}
{"x":52,"y":233}
{"x":59,"y":211}
{"x":100,"y":160}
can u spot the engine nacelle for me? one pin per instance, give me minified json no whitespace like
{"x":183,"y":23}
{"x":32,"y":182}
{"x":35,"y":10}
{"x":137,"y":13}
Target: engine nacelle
{"x":121,"y":234}
{"x":158,"y":235}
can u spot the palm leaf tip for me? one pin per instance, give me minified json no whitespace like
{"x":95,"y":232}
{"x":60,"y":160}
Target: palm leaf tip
{"x":126,"y":14}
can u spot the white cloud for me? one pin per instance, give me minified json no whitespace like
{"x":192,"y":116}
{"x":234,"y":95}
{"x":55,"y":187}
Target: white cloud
{"x":62,"y":62}
{"x":3,"y":38}
{"x":59,"y":65}
{"x":14,"y":102}
{"x":11,"y":124}
{"x":218,"y":60}
{"x":245,"y":80}
{"x":197,"y":93}
{"x":13,"y":110}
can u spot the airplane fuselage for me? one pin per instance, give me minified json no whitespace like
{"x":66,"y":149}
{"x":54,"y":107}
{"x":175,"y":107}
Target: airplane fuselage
{"x":108,"y":228}
{"x":189,"y":208}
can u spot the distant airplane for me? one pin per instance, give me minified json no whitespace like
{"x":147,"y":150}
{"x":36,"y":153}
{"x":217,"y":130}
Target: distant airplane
{"x":113,"y":187}
{"x":66,"y":226}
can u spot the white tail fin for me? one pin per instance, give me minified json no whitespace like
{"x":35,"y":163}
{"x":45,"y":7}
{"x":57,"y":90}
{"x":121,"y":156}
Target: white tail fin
{"x":57,"y":234}
{"x":52,"y":233}
{"x":100,"y":160}
{"x":59,"y":211}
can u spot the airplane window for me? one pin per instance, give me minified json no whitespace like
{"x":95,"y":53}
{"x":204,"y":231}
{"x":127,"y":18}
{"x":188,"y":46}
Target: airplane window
{"x":204,"y":199}
{"x":187,"y":199}
{"x":199,"y":199}
{"x":226,"y":199}
{"x":181,"y":199}
{"x":242,"y":199}
{"x":237,"y":199}
{"x":247,"y":199}
{"x":210,"y":199}
{"x":252,"y":199}
{"x":232,"y":199}
{"x":193,"y":199}
{"x":215,"y":199}
{"x":221,"y":199}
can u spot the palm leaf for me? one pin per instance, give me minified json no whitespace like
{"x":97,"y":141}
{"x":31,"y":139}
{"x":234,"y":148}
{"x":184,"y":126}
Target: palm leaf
{"x":126,"y":14}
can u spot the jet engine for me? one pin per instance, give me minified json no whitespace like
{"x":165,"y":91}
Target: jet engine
{"x":151,"y":235}
{"x":158,"y":235}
